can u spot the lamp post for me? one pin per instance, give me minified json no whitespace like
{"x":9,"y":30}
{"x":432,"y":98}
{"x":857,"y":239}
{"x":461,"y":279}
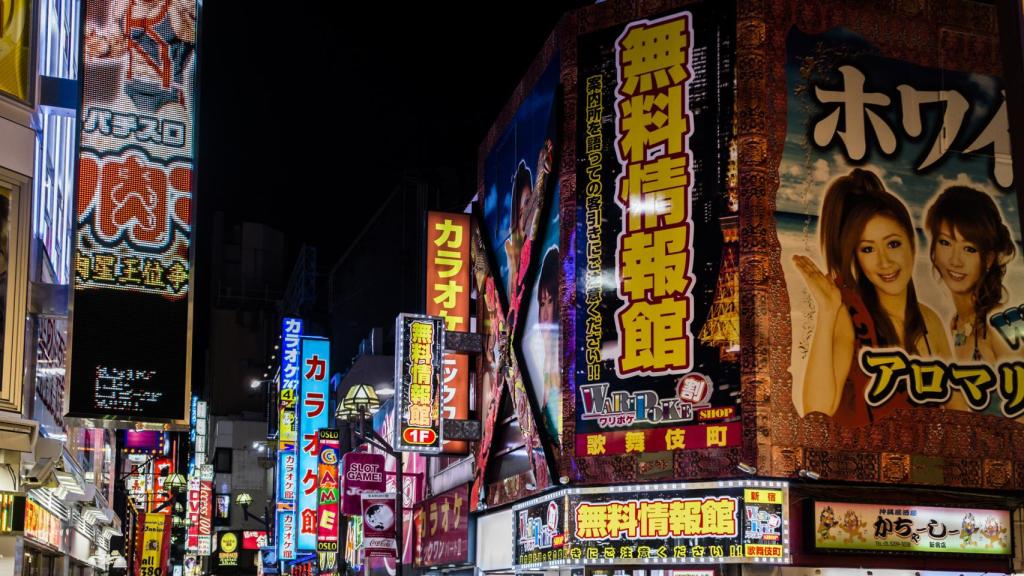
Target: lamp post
{"x":244,"y":500}
{"x":360,"y":403}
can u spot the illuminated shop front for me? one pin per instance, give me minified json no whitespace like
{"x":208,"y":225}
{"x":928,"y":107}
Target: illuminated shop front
{"x":664,"y":527}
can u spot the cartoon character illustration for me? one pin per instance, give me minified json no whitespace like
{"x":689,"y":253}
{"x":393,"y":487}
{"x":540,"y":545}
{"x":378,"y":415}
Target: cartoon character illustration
{"x":968,"y":528}
{"x":774,"y":522}
{"x":993,"y":532}
{"x":853,"y":525}
{"x":826,"y":522}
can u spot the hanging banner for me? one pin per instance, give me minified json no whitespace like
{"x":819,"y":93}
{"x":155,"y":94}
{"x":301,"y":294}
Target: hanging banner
{"x":448,"y":295}
{"x":291,"y":339}
{"x":379,"y":524}
{"x":133,"y":221}
{"x":911,"y":529}
{"x":153,"y":543}
{"x":419,"y":354}
{"x":314,"y":412}
{"x":657,"y":362}
{"x":362,"y":472}
{"x":328,"y":503}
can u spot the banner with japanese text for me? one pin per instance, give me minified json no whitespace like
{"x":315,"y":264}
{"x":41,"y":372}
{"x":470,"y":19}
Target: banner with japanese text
{"x":314,"y":414}
{"x":133,"y":218}
{"x":448,"y":295}
{"x":419,"y":358}
{"x":657,"y":238}
{"x":444,"y":531}
{"x":914,"y":529}
{"x":744,"y":522}
{"x":891,"y":283}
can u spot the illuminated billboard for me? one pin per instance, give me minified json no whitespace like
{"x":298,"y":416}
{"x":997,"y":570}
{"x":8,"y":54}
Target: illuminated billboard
{"x":133,"y":216}
{"x":448,"y":295}
{"x":419,"y":353}
{"x":656,"y":315}
{"x":890,"y":277}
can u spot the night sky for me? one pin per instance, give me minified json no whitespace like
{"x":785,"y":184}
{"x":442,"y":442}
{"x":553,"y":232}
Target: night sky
{"x":302,"y":108}
{"x":308,"y":119}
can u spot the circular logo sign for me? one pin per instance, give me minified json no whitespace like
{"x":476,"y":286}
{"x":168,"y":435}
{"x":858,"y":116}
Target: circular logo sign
{"x":228,"y":542}
{"x":329,"y":456}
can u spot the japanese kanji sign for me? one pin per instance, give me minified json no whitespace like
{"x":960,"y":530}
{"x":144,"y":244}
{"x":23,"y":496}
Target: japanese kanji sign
{"x":133,"y":217}
{"x":314,"y":413}
{"x":745,"y":522}
{"x":288,"y":387}
{"x":448,"y":291}
{"x":443,"y":536}
{"x":419,"y":368}
{"x":657,"y":237}
{"x":286,"y":476}
{"x":328,"y":504}
{"x":912,"y":529}
{"x":286,"y":532}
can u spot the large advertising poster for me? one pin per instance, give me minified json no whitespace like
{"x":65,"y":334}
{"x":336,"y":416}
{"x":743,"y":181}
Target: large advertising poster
{"x":657,"y":295}
{"x":133,"y":228}
{"x":899,"y":256}
{"x":517,"y":207}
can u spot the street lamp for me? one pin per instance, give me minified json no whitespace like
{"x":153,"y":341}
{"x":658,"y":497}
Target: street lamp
{"x":361,"y":401}
{"x":175,"y":482}
{"x":244,"y":500}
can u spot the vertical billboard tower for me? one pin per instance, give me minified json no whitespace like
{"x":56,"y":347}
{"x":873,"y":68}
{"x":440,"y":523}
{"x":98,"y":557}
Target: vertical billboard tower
{"x":657,"y":359}
{"x":314,"y":411}
{"x":133,"y":217}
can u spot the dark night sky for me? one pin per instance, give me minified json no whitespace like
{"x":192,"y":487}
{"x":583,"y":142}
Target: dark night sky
{"x":308,"y":119}
{"x":302,"y":108}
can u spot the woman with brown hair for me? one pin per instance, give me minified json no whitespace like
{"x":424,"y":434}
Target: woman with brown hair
{"x":970,"y":248}
{"x":865,"y":299}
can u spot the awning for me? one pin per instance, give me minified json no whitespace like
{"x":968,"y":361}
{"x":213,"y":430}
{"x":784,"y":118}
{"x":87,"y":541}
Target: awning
{"x":17,"y":433}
